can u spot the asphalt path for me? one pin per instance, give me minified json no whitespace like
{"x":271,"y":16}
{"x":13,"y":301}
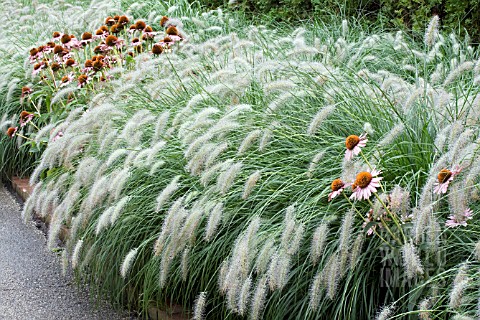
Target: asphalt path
{"x":31,"y":282}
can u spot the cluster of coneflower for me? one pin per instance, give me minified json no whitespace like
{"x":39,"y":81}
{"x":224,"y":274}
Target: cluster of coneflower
{"x":68,"y":61}
{"x":368,"y":182}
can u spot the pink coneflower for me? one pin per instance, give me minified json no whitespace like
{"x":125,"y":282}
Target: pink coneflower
{"x":57,"y":36}
{"x":354,"y":144}
{"x":444,"y":178}
{"x":456,"y":221}
{"x":25,"y":117}
{"x":74,"y":44}
{"x":11,"y":131}
{"x":82,"y":80}
{"x":37,"y":68}
{"x":67,"y":79}
{"x":148,"y":33}
{"x":337,"y":187}
{"x":26,"y":91}
{"x":365,"y":183}
{"x":163,"y":21}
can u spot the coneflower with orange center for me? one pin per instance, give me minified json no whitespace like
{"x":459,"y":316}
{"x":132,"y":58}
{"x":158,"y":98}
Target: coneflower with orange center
{"x":148,"y":29}
{"x":172,"y":31}
{"x":58,"y":49}
{"x":55,"y":66}
{"x":70,"y":62}
{"x":98,"y":65}
{"x":354,"y":144}
{"x":11,"y":131}
{"x":365,"y":184}
{"x":157,"y":49}
{"x":109,"y":21}
{"x":65,"y":39}
{"x":111,"y":40}
{"x":98,"y":49}
{"x":337,"y":187}
{"x":82,"y":80}
{"x":37,"y":66}
{"x":26,"y":91}
{"x":163,"y":21}
{"x":123,"y":20}
{"x":25,"y":117}
{"x":103,"y":28}
{"x":116,"y":28}
{"x":88,"y":63}
{"x":87,"y":36}
{"x":167,"y":40}
{"x":56,"y":35}
{"x":444,"y":178}
{"x":116,"y":17}
{"x":24,"y":114}
{"x":140,"y":25}
{"x":33,"y":52}
{"x":51,"y":44}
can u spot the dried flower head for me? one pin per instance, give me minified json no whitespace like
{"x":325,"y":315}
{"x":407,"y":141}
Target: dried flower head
{"x":354,"y":144}
{"x":365,"y":183}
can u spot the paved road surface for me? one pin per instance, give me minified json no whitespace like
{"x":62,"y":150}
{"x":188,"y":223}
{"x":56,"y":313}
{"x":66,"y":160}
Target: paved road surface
{"x":31,"y":283}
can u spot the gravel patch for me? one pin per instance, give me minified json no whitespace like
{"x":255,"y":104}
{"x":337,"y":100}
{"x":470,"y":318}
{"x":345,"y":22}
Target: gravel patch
{"x":31,"y":282}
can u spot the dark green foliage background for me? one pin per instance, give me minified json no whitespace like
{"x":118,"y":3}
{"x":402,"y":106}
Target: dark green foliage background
{"x":456,"y":15}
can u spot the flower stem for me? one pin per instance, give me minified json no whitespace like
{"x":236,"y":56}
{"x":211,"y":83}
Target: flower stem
{"x":367,"y":221}
{"x":387,"y":227}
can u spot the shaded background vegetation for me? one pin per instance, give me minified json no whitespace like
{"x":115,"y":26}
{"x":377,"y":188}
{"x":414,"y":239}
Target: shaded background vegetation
{"x":461,"y":16}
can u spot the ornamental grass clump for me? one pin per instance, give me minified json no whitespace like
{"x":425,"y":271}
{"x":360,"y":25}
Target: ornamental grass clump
{"x":193,"y":172}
